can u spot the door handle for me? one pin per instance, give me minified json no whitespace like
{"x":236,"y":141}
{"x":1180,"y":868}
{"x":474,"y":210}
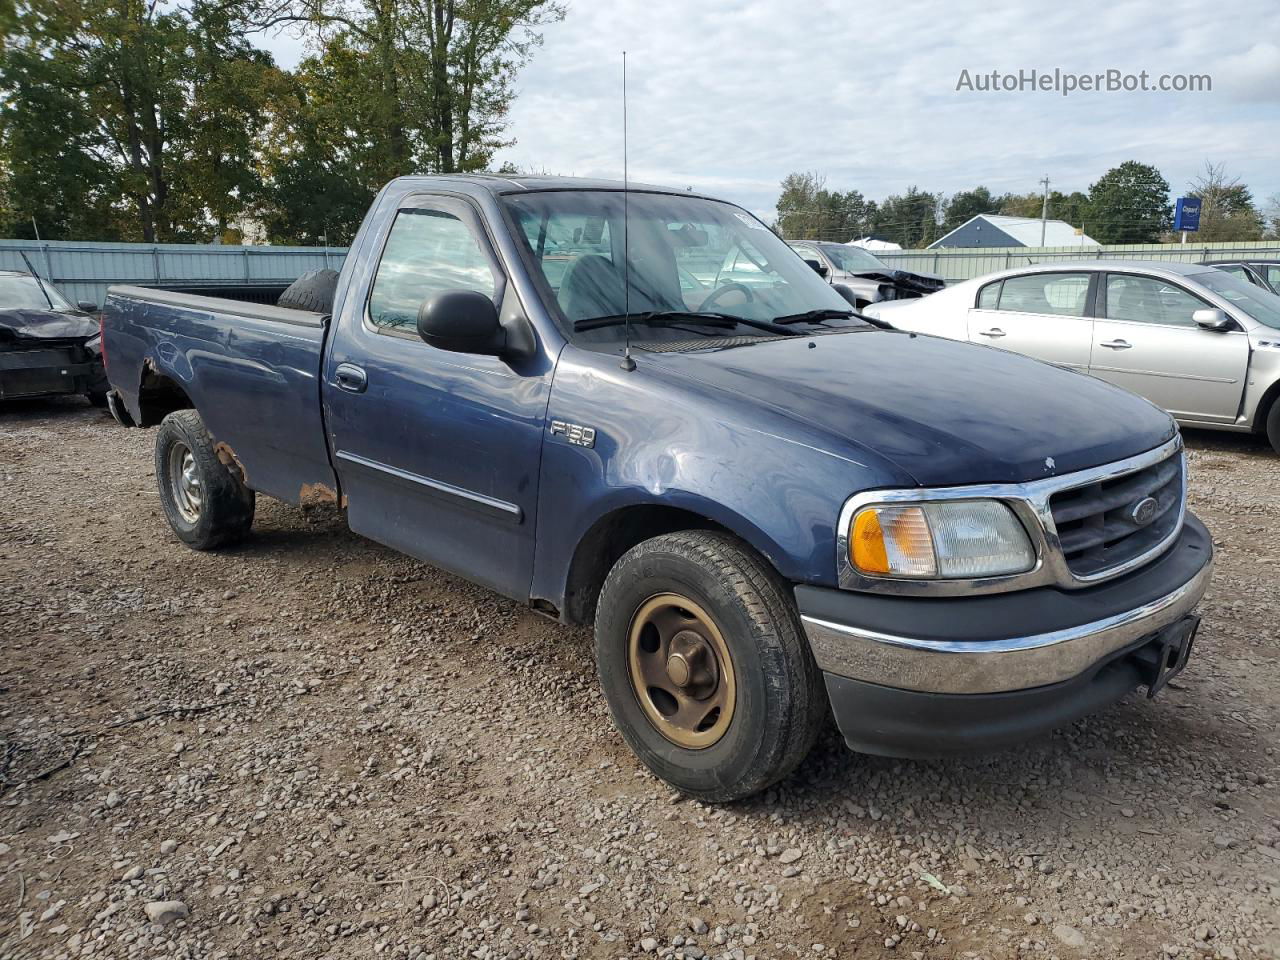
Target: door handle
{"x":1116,"y":344}
{"x":993,"y":332}
{"x":351,"y":378}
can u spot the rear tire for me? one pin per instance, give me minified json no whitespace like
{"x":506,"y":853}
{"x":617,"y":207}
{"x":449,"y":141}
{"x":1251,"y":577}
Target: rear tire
{"x":708,"y":596}
{"x":205,"y":502}
{"x":313,"y":291}
{"x":1273,"y":425}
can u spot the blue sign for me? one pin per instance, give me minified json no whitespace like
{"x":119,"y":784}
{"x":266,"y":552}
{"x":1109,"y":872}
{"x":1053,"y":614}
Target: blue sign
{"x":1187,"y":215}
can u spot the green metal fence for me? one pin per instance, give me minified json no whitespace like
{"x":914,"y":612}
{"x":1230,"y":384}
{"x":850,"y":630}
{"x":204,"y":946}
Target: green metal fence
{"x":955,"y":265}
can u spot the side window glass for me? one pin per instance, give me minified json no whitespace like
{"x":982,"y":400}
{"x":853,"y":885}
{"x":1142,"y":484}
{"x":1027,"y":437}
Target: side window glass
{"x":1273,"y":275}
{"x":1062,"y":294}
{"x":989,"y":296}
{"x":1237,"y":271}
{"x":427,"y":252}
{"x":1148,"y":300}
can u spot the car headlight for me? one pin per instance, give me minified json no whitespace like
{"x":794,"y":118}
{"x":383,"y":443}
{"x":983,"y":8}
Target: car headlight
{"x":949,"y":539}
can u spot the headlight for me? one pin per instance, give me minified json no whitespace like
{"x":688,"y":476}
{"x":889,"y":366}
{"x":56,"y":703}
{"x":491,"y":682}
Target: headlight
{"x":955,"y":539}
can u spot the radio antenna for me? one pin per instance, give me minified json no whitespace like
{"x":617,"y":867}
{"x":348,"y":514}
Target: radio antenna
{"x":627,"y":363}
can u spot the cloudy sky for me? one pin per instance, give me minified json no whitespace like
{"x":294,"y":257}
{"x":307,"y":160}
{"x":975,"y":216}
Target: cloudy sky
{"x":729,"y":97}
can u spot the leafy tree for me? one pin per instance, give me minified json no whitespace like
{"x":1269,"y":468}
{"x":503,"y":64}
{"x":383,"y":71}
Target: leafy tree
{"x":966,"y":205}
{"x":1272,"y":217}
{"x":807,"y":210}
{"x":124,"y":121}
{"x":910,"y":219}
{"x":327,"y":155}
{"x":1129,"y":204}
{"x":1226,"y":207}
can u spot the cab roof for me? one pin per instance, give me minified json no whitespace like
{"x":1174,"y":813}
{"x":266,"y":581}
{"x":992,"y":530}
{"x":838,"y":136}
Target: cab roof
{"x":499,"y":184}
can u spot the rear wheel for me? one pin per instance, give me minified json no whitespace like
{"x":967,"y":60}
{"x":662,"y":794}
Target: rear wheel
{"x":206,"y":504}
{"x":705,"y":667}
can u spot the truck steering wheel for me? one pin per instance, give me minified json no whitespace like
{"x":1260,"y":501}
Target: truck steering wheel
{"x":721,"y":290}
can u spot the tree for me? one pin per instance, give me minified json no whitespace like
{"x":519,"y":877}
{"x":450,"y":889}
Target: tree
{"x":1272,"y":217}
{"x":807,"y":210}
{"x":441,"y":73}
{"x":1129,"y":204}
{"x":1226,"y":207}
{"x":966,"y":205}
{"x":909,"y":219}
{"x":122,"y":121}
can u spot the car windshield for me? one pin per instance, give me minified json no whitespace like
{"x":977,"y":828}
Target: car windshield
{"x":22,"y":292}
{"x":685,"y":256}
{"x":1253,"y":300}
{"x":851,"y":259}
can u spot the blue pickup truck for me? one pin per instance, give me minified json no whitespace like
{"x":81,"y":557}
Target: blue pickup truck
{"x":772,"y":510}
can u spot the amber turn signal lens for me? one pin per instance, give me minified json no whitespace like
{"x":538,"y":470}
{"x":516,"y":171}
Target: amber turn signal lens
{"x":867,"y":548}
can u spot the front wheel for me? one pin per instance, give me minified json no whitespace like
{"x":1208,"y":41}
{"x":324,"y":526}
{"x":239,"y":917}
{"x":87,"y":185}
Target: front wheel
{"x":1273,"y":425}
{"x":705,"y":667}
{"x":206,"y":504}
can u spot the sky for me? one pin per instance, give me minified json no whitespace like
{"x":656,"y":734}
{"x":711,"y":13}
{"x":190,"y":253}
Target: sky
{"x":729,"y":97}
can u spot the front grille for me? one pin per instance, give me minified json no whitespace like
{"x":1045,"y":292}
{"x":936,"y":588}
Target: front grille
{"x":1095,"y":522}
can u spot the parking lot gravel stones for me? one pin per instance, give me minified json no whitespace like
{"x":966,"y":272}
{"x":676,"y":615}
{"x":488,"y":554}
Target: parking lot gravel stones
{"x":310,"y":746}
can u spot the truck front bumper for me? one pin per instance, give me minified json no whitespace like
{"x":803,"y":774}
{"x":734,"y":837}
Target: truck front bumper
{"x":920,"y":677}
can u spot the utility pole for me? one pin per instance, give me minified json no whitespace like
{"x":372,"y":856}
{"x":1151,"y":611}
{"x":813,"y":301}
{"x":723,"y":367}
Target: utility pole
{"x":1044,"y":210}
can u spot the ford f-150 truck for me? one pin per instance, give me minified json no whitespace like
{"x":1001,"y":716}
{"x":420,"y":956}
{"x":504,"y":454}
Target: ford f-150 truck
{"x":772,"y":510}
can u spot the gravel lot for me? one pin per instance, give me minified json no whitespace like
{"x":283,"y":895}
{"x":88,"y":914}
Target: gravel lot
{"x":319,"y":748}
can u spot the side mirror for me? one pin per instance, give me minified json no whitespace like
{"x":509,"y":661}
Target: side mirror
{"x":846,"y":291}
{"x":819,"y":268}
{"x":88,"y":306}
{"x":1212,"y":320}
{"x":463,"y":321}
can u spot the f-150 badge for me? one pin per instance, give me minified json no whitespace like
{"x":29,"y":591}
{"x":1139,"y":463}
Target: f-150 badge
{"x":575,"y":433}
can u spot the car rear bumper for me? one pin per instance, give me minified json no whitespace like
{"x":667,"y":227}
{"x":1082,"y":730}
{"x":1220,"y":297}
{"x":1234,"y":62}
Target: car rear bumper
{"x":911,"y":676}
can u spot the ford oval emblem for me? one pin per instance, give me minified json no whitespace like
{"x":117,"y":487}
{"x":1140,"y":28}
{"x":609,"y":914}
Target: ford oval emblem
{"x":1144,"y":511}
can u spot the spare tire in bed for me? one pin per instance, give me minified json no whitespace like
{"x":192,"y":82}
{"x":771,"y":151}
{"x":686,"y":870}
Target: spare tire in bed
{"x":313,"y":291}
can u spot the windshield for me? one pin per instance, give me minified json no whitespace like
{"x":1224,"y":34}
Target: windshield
{"x":851,"y":259}
{"x":687,"y":255}
{"x":22,"y":292}
{"x":1253,"y":300}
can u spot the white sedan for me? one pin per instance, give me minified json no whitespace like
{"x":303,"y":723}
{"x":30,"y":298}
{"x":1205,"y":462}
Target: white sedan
{"x":1198,"y":342}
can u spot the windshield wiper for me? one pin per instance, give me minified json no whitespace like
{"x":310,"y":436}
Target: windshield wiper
{"x":671,"y":318}
{"x":829,"y":313}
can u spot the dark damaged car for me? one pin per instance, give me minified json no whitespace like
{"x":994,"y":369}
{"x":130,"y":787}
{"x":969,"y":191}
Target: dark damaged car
{"x":866,"y":277}
{"x":47,"y":346}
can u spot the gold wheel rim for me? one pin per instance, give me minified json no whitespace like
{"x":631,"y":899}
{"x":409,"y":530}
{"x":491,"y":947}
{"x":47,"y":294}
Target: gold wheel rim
{"x":681,"y":671}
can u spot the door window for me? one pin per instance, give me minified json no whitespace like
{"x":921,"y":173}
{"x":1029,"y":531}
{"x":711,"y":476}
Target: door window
{"x":1273,"y":275}
{"x":1063,"y":294}
{"x":989,"y":296}
{"x":427,"y":252}
{"x":1149,"y":300}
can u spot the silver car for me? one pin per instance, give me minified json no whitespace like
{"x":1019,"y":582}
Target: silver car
{"x":1200,"y":343}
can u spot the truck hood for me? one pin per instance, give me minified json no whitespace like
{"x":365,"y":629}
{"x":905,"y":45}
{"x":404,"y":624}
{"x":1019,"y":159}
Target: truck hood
{"x":45,"y":325}
{"x":945,"y":413}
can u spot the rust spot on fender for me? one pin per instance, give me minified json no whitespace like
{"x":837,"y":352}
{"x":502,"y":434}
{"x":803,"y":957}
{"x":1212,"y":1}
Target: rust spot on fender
{"x":228,"y":458}
{"x":317,"y":495}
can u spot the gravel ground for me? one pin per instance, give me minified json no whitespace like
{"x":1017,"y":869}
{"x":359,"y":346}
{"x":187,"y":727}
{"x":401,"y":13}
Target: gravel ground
{"x":310,"y":746}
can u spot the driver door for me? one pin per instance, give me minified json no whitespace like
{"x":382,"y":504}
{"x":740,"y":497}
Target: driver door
{"x":437,"y":452}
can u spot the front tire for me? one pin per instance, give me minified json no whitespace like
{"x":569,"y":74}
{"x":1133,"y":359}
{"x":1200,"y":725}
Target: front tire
{"x":206,"y":504}
{"x":1273,"y":425}
{"x":705,"y":666}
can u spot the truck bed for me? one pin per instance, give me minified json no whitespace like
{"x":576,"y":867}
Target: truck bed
{"x":252,"y":370}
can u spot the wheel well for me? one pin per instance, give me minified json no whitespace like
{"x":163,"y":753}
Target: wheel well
{"x":1264,"y":407}
{"x":608,"y":539}
{"x":159,"y":396}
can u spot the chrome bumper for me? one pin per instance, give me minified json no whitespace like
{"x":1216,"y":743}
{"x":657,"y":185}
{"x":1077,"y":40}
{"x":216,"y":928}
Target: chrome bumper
{"x":993,"y":666}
